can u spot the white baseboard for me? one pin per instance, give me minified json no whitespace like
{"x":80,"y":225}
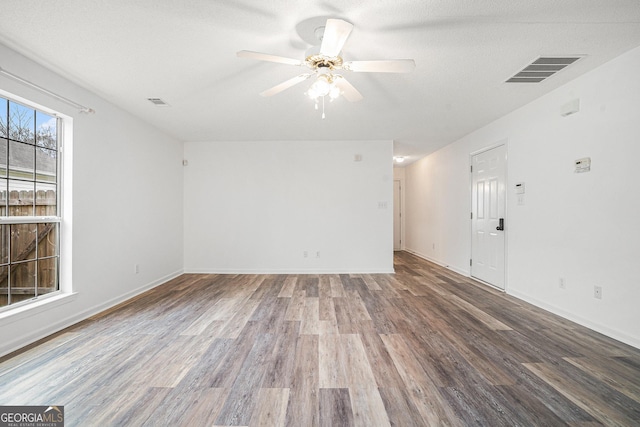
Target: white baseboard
{"x":440,"y":263}
{"x":33,"y":336}
{"x":293,"y":271}
{"x":612,"y":333}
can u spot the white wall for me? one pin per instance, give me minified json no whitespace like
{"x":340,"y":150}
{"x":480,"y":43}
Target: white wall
{"x":258,"y":206}
{"x":126,"y":209}
{"x":582,"y":227}
{"x":437,"y":208}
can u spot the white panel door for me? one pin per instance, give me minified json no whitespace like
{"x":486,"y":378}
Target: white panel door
{"x":397,"y":216}
{"x":488,"y":202}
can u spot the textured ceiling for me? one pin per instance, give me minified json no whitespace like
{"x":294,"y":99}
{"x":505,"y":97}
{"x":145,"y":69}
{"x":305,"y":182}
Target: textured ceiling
{"x":185,"y":53}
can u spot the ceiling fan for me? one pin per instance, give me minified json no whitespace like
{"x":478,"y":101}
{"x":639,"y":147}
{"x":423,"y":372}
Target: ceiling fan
{"x":325,"y":63}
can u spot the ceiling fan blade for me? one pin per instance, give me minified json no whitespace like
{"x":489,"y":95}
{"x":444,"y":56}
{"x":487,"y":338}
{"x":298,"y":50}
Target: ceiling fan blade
{"x":336,"y":32}
{"x":350,"y":93}
{"x":266,"y":57}
{"x":385,"y":66}
{"x":285,"y":85}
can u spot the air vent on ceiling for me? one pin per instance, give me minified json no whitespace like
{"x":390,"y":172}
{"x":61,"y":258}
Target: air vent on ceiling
{"x":157,"y":101}
{"x":542,"y":68}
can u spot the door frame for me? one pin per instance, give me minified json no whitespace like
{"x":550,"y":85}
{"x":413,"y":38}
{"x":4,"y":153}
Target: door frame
{"x":504,"y":142}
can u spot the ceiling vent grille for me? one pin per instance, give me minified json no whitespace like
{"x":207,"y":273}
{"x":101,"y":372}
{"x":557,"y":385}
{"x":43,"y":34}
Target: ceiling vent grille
{"x":542,"y":68}
{"x":157,"y":101}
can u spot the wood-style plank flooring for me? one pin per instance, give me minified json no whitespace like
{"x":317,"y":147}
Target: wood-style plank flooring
{"x":422,"y":347}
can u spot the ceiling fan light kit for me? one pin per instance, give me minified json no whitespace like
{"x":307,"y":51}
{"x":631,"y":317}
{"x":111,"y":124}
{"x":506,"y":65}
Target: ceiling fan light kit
{"x":326,"y":62}
{"x":324,"y":86}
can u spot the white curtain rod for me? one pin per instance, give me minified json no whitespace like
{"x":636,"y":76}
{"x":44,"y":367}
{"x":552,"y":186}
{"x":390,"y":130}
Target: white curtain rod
{"x":19,"y":79}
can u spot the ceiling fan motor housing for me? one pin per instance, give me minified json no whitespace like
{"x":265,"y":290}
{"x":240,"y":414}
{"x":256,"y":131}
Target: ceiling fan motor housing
{"x":321,"y":61}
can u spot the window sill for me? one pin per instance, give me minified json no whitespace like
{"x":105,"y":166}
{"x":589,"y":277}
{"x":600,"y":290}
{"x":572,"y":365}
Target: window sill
{"x":34,"y":308}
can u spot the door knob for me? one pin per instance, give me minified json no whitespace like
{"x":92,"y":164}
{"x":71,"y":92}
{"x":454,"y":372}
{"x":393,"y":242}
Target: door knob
{"x":500,"y":226}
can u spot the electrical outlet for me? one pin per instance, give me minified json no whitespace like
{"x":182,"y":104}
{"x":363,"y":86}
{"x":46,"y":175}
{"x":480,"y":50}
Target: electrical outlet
{"x":597,"y":292}
{"x":305,"y":254}
{"x":562,"y":284}
{"x":318,"y":254}
{"x":136,"y":269}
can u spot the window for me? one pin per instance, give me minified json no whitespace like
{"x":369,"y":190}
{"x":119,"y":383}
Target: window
{"x":29,"y":203}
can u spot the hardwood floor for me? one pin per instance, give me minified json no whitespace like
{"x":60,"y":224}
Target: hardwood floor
{"x":422,"y":347}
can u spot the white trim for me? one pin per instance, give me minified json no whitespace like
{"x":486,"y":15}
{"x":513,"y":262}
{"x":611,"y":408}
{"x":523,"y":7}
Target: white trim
{"x":127,"y":296}
{"x":28,"y":103}
{"x":611,"y":333}
{"x":489,"y":147}
{"x":22,"y":311}
{"x":464,"y":273}
{"x":65,"y":202}
{"x":49,"y":303}
{"x":401,"y":208}
{"x":26,"y":311}
{"x":29,"y":219}
{"x":39,"y":88}
{"x":458,"y":271}
{"x":285,"y":271}
{"x":62,"y":121}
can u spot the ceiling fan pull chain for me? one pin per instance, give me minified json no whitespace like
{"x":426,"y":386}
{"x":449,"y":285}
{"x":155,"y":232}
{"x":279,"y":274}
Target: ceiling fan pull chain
{"x":323,"y":108}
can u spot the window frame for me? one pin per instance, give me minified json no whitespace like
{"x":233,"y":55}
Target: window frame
{"x":61,"y":122}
